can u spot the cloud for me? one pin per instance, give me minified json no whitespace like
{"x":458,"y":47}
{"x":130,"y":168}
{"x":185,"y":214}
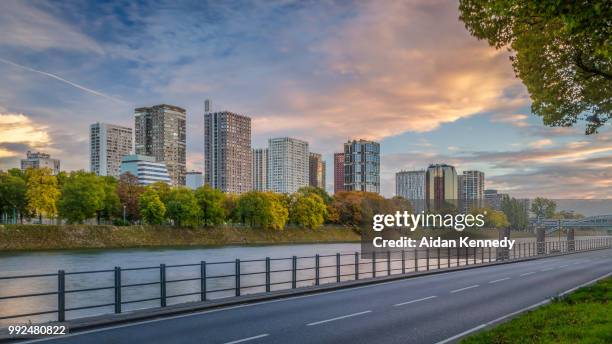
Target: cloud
{"x":18,"y":133}
{"x":518,"y":120}
{"x":26,"y":26}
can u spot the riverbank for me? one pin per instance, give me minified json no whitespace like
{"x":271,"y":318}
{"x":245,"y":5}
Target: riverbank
{"x":67,"y":237}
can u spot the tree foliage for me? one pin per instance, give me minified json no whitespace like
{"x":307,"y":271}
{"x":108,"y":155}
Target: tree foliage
{"x":82,"y":197}
{"x":262,"y":209}
{"x":211,"y":203}
{"x":543,"y":208}
{"x":152,"y":209}
{"x":42,"y":192}
{"x":308,"y":210}
{"x":129,"y":191}
{"x":562,"y":51}
{"x":493,"y":218}
{"x":13,"y":190}
{"x":516,"y":212}
{"x":182,"y":207}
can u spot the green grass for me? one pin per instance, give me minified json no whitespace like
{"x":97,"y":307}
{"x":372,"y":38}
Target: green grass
{"x":584,"y":316}
{"x":56,"y":237}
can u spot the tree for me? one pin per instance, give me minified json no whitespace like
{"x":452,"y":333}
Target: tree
{"x":211,"y":204}
{"x":111,"y":204}
{"x":42,"y":192}
{"x":82,"y":197}
{"x":543,"y":208}
{"x":129,"y":191}
{"x":492,"y":217}
{"x":230,"y":208}
{"x":516,"y":212}
{"x":182,"y":207}
{"x":310,"y":190}
{"x":308,"y":210}
{"x":562,"y":53}
{"x":13,"y":190}
{"x":152,"y":209}
{"x":262,"y":209}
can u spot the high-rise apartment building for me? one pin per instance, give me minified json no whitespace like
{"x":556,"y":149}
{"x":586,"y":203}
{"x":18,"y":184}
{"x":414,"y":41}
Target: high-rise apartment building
{"x":472,"y":189}
{"x":338,"y":172}
{"x":40,"y":160}
{"x":193,"y":179}
{"x":317,"y":171}
{"x":160,"y":132}
{"x":411,"y":186}
{"x":288,"y":164}
{"x":362,"y":166}
{"x":108,"y":143}
{"x":145,"y":168}
{"x":227,"y":152}
{"x":260,"y":169}
{"x":493,"y":199}
{"x":441,"y":187}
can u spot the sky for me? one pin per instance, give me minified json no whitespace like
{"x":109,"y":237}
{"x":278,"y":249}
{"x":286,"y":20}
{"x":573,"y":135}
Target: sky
{"x":404,"y":73}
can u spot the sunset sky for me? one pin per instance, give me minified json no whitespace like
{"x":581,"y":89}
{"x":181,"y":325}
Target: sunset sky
{"x":406,"y":73}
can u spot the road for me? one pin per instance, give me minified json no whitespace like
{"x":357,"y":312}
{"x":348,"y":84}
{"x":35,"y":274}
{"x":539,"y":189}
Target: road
{"x":427,"y":309}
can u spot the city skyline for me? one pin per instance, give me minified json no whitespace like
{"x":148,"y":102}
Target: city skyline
{"x":455,"y":101}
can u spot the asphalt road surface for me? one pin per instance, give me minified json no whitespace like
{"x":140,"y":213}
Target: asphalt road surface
{"x":429,"y":309}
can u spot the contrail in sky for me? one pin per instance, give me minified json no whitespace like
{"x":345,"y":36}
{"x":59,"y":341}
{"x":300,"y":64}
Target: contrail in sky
{"x":83,"y":88}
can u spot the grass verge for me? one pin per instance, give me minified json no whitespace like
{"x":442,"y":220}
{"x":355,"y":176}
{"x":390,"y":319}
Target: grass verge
{"x":55,"y":237}
{"x":584,"y":316}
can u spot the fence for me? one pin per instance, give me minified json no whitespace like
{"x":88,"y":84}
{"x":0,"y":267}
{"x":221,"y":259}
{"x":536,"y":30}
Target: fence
{"x":123,"y":289}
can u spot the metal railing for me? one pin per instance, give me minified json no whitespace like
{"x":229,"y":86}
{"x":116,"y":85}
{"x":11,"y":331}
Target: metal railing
{"x":239,"y":277}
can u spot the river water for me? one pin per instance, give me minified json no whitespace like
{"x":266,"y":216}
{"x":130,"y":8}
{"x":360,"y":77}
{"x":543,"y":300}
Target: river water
{"x":221,"y":280}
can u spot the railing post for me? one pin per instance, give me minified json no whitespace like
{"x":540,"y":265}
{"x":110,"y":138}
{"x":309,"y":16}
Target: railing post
{"x":438,"y":258}
{"x":268,"y":274}
{"x":403,"y":262}
{"x":117,"y":289}
{"x":448,"y":259}
{"x":475,"y":255}
{"x":427,"y":259}
{"x":162,"y":284}
{"x":356,"y":266}
{"x":337,"y":267}
{"x":237,"y":273}
{"x":416,"y":259}
{"x":482,"y":255}
{"x":202,"y":281}
{"x":294,"y":272}
{"x":61,"y":296}
{"x":373,"y":264}
{"x":317,"y":265}
{"x":388,"y":263}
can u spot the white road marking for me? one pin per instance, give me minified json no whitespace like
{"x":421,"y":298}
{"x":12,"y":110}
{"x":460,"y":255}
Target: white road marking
{"x":481,"y":326}
{"x":527,"y":273}
{"x":564,"y":266}
{"x":549,"y":269}
{"x":466,"y":288}
{"x":337,"y":318}
{"x":247,"y":339}
{"x":413,"y":301}
{"x":499,"y":280}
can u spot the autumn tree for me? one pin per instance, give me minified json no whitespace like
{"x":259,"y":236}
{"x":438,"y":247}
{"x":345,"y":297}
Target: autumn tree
{"x":561,"y":50}
{"x":152,"y":209}
{"x":308,"y":210}
{"x":42,"y":192}
{"x":129,"y":191}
